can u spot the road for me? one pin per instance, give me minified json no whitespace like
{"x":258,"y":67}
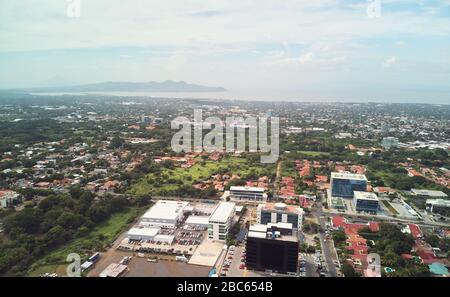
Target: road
{"x":328,"y":250}
{"x":383,"y":218}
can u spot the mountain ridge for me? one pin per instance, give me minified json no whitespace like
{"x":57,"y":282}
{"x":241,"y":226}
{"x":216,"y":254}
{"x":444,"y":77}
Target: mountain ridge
{"x":122,"y":86}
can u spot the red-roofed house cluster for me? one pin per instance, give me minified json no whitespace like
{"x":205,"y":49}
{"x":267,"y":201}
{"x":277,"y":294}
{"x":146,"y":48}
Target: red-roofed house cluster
{"x":423,"y":250}
{"x":287,"y":191}
{"x":354,"y":241}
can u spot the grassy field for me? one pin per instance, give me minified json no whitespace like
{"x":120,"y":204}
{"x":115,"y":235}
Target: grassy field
{"x":171,"y":179}
{"x":101,"y":237}
{"x":313,"y":154}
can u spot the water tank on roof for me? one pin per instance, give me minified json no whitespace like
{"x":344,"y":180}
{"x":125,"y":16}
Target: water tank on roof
{"x":280,"y":206}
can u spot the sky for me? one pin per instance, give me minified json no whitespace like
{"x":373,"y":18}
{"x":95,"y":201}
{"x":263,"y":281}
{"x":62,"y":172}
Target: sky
{"x":281,"y":49}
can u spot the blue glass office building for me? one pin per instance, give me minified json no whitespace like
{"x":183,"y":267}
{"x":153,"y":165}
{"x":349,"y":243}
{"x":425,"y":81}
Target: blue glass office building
{"x":344,"y":184}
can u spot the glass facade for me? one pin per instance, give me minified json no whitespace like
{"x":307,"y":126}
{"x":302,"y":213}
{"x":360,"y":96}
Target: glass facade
{"x":366,"y":205}
{"x":260,"y":255}
{"x":345,"y":187}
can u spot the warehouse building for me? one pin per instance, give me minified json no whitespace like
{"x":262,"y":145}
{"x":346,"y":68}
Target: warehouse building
{"x":165,"y":213}
{"x":193,"y":222}
{"x":145,"y":234}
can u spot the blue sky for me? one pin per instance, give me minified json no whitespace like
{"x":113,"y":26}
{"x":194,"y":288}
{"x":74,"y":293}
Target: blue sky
{"x":310,"y":50}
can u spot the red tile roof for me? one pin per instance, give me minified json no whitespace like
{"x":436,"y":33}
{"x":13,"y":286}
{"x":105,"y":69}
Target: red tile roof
{"x":415,"y":231}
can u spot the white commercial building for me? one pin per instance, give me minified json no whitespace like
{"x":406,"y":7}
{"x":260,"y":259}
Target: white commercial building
{"x":428,"y":193}
{"x":221,"y":220}
{"x":197,"y":222}
{"x":251,"y":194}
{"x":145,"y":234}
{"x":438,"y":205}
{"x":164,"y":213}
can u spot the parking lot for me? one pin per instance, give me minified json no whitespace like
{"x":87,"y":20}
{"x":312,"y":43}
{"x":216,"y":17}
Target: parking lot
{"x":185,"y":241}
{"x":234,"y":264}
{"x":311,"y":265}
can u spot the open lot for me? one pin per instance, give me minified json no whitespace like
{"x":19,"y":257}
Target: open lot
{"x":401,"y":210}
{"x":207,"y":253}
{"x":202,"y":170}
{"x":141,"y":267}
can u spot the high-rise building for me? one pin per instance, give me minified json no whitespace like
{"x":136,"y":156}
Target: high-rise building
{"x":389,"y":142}
{"x":221,"y":220}
{"x":344,"y":184}
{"x":272,"y":248}
{"x":365,"y":201}
{"x":280,"y":213}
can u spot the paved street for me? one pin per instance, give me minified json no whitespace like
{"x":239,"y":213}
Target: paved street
{"x":328,"y":250}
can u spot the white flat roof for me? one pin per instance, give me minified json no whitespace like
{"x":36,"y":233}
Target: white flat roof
{"x":280,"y":225}
{"x":222,"y":212}
{"x":165,"y":210}
{"x":438,"y":202}
{"x":258,"y":228}
{"x":347,"y":175}
{"x":164,"y":237}
{"x":257,"y":234}
{"x":249,"y":189}
{"x":430,"y":193}
{"x":143,"y":231}
{"x":365,"y":195}
{"x":197,"y":220}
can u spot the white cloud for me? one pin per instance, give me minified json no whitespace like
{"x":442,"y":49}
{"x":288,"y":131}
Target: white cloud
{"x":389,"y":62}
{"x":308,"y":57}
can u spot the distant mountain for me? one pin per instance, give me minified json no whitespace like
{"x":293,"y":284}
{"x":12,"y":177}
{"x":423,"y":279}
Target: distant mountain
{"x":151,"y":86}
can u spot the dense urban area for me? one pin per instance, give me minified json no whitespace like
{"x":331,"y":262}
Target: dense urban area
{"x":96,"y":175}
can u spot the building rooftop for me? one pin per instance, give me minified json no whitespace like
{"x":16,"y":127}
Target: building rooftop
{"x":197,"y":220}
{"x":255,"y":234}
{"x":430,"y":193}
{"x":438,"y":202}
{"x":166,"y":210}
{"x":261,"y":231}
{"x":345,"y":175}
{"x":280,"y":225}
{"x":282,"y":207}
{"x":222,"y":212}
{"x":365,"y":195}
{"x":248,"y":189}
{"x":258,"y":228}
{"x":143,"y":232}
